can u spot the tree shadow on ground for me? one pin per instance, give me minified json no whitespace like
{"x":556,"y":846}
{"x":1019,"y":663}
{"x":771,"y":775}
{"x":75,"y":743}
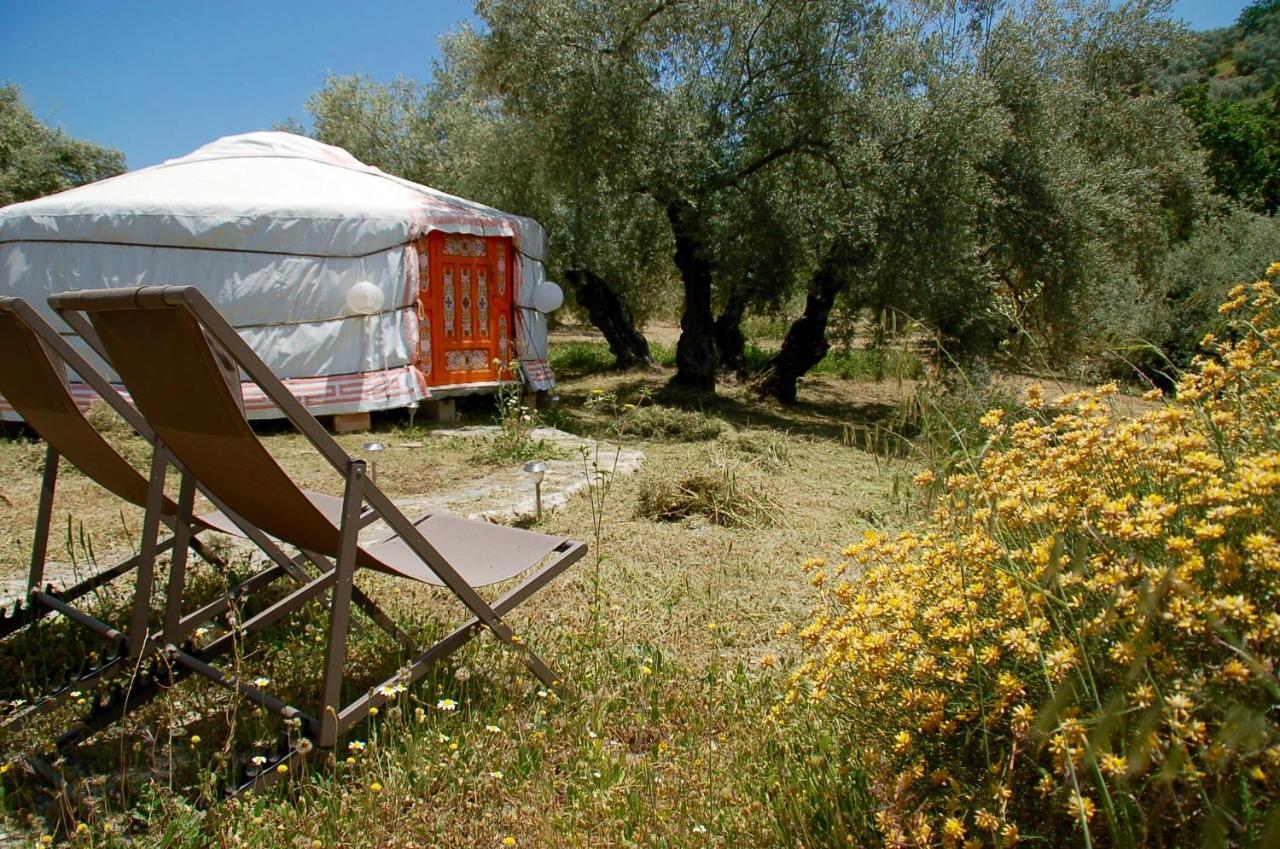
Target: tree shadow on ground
{"x":829,"y":408}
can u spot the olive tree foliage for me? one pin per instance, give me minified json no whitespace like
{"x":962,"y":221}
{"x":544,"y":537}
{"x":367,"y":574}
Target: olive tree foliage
{"x":764,"y":237}
{"x":994,"y":169}
{"x":384,"y":124}
{"x":1231,"y":247}
{"x":603,"y":241}
{"x":38,"y":160}
{"x":1096,"y":177}
{"x":1022,"y":187}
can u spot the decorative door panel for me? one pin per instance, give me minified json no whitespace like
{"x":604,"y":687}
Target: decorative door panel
{"x":426,"y":310}
{"x":467,"y":308}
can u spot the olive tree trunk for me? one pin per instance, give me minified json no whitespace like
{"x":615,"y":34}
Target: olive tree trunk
{"x":731,"y":344}
{"x":611,"y":316}
{"x":806,"y":341}
{"x":696,"y":349}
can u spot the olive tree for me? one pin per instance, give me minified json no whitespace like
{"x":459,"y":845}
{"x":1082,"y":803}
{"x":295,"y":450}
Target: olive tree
{"x":683,"y":104}
{"x":450,"y":135}
{"x":997,"y":170}
{"x":1022,"y":185}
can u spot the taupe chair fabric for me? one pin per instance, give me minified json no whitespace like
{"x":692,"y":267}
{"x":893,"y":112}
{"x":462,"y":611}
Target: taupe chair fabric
{"x":168,"y":345}
{"x":33,"y":379}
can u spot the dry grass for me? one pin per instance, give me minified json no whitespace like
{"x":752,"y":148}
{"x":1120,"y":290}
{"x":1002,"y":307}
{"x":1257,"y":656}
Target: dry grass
{"x":674,"y":673}
{"x":720,"y":488}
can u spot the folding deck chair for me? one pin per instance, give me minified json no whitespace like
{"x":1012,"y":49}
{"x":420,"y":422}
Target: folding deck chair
{"x":167,"y":345}
{"x":33,"y":362}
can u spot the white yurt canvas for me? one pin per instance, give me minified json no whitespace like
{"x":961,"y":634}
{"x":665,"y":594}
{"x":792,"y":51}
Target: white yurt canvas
{"x":363,"y":291}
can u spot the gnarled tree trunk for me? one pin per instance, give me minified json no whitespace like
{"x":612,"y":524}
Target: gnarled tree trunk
{"x":731,"y":344}
{"x":806,"y":341}
{"x":696,"y":349}
{"x":610,"y":316}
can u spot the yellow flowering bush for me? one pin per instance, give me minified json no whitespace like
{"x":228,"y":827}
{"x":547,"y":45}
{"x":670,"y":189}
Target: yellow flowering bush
{"x":1080,"y":647}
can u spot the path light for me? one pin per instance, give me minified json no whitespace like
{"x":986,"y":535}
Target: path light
{"x":547,"y":297}
{"x":373,"y":448}
{"x":536,"y":470}
{"x":364,"y":298}
{"x":412,"y":406}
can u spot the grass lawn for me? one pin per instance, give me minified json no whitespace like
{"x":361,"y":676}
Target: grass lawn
{"x":668,"y":641}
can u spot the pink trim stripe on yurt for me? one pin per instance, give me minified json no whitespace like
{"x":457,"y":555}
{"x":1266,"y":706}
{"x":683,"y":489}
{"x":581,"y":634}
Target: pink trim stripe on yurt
{"x":340,"y":393}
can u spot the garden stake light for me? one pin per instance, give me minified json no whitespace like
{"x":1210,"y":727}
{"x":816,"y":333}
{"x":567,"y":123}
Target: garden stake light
{"x":536,"y":470}
{"x":374,"y":448}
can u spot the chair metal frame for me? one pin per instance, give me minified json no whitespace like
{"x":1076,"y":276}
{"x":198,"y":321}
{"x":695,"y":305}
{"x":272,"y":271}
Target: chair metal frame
{"x":334,"y":719}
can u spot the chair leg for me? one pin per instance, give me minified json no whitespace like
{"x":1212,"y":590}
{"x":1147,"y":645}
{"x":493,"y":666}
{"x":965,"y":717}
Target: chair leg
{"x":44,"y":515}
{"x":147,"y":556}
{"x":344,"y":569}
{"x":178,"y":560}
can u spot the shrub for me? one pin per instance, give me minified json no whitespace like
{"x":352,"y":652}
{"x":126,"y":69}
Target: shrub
{"x":1195,"y":277}
{"x":1080,"y":647}
{"x":757,"y":358}
{"x":944,"y":422}
{"x":663,"y":355}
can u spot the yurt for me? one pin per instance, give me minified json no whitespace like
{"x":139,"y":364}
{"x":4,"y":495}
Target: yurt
{"x":361,"y":290}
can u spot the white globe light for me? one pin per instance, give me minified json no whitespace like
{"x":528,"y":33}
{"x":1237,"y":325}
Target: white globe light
{"x":364,"y":298}
{"x":547,"y":297}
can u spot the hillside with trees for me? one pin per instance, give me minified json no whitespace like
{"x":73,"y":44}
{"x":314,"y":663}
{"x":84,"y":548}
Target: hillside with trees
{"x":38,"y":160}
{"x":1226,"y":80}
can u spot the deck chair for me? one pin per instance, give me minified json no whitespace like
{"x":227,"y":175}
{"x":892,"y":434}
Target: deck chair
{"x":33,"y":378}
{"x":168,"y":345}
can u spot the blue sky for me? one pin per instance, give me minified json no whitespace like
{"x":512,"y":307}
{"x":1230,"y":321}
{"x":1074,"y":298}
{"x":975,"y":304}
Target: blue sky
{"x":159,"y":79}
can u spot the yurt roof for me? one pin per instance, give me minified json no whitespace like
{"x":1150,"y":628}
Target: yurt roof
{"x":264,"y":192}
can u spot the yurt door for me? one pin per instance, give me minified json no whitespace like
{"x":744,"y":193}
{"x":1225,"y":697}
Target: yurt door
{"x":470,"y":309}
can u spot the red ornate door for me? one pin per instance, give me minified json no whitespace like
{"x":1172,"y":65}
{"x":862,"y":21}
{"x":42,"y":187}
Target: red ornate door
{"x":467,"y":308}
